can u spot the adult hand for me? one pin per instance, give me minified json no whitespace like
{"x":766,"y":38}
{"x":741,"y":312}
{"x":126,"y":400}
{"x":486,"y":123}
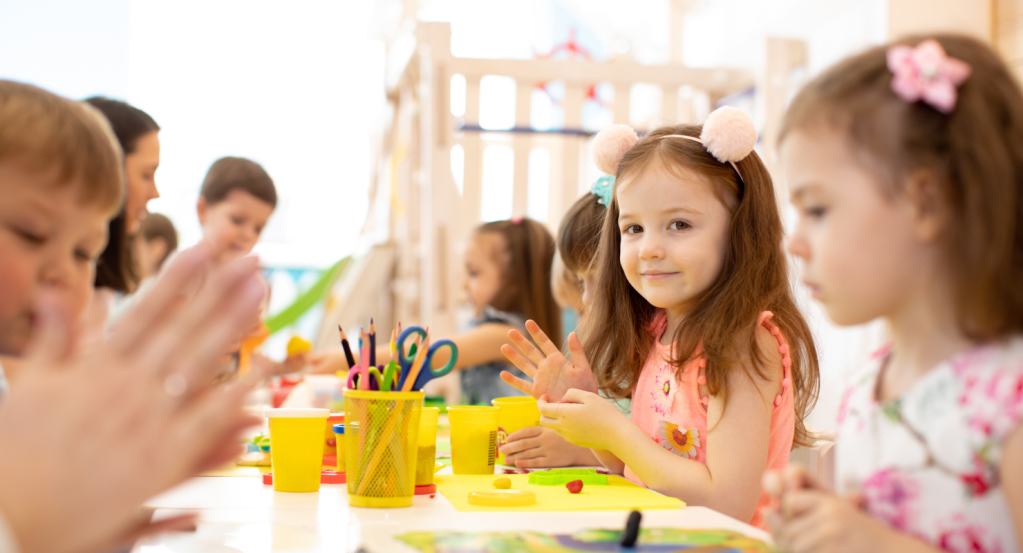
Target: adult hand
{"x":89,"y":435}
{"x":552,"y":373}
{"x":539,"y":447}
{"x":583,"y":418}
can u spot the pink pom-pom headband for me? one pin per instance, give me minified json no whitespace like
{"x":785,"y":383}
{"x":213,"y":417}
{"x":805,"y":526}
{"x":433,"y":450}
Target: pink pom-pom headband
{"x":728,"y":135}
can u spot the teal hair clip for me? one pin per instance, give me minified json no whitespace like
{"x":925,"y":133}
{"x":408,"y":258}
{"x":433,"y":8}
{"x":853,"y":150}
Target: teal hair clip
{"x":603,"y":188}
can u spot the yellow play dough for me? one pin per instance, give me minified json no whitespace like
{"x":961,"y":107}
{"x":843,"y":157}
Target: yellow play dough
{"x":297,"y":345}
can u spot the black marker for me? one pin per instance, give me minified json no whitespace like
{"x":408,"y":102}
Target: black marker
{"x":631,"y":533}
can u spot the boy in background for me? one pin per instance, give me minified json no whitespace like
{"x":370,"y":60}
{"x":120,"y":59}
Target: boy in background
{"x":236,"y":201}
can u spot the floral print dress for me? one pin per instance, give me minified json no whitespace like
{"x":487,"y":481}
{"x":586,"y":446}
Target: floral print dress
{"x":673,"y":412}
{"x":927,"y":463}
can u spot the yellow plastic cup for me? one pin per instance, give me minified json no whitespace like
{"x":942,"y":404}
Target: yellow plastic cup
{"x":473,"y":439}
{"x":427,"y":454}
{"x":516,"y":413}
{"x":297,"y":450}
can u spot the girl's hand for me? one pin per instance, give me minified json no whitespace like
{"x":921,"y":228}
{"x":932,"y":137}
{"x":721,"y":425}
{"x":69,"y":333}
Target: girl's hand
{"x":327,"y":362}
{"x":552,"y":373}
{"x":808,"y":518}
{"x":583,"y":418}
{"x":539,"y":447}
{"x":268,"y":368}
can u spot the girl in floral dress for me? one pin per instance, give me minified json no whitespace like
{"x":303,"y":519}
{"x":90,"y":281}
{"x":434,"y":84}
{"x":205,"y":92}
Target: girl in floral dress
{"x":692,"y":317}
{"x":906,"y":166}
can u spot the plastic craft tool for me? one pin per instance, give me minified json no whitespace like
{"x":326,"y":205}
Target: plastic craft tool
{"x":423,"y":358}
{"x":502,"y":498}
{"x":374,"y":378}
{"x":558,"y":477}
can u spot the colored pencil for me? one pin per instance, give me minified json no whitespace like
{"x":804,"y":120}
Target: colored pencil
{"x":394,"y":343}
{"x":417,"y":365}
{"x":364,"y":356}
{"x":348,"y":349}
{"x":372,"y":343}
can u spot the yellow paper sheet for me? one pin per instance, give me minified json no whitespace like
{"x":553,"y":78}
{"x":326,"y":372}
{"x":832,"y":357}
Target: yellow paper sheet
{"x":618,"y":494}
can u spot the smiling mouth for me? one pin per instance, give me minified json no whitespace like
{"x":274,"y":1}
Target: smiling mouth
{"x":657,"y":276}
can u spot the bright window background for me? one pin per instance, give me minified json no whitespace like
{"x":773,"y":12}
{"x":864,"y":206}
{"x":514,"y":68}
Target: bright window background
{"x":295,"y":87}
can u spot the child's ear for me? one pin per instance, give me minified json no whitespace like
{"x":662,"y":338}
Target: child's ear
{"x":200,"y":209}
{"x":930,"y":208}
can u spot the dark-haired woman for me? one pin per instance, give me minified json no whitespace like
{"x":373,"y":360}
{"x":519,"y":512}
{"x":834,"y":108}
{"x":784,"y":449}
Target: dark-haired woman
{"x":138,"y":134}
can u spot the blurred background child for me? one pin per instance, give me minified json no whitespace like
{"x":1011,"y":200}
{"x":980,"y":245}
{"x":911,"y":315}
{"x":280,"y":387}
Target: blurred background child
{"x":235,"y":203}
{"x":508,"y":280}
{"x":157,"y":240}
{"x":905,"y":164}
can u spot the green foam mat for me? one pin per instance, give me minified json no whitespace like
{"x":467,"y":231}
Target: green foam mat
{"x":556,"y":477}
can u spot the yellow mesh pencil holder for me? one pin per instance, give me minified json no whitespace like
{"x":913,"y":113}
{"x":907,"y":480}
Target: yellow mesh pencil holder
{"x":381,"y":444}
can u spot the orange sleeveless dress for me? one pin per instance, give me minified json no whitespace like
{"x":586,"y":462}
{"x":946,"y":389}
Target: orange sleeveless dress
{"x":674,"y":415}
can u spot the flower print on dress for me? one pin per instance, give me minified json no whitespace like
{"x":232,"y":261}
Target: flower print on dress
{"x":663,"y":393}
{"x":960,"y":535}
{"x":890,"y":496}
{"x":678,"y":440}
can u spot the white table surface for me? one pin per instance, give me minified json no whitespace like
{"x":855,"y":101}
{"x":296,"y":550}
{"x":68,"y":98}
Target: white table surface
{"x":241,"y":514}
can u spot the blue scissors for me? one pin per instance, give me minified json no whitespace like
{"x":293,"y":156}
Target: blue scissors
{"x":384,"y":378}
{"x":427,"y":372}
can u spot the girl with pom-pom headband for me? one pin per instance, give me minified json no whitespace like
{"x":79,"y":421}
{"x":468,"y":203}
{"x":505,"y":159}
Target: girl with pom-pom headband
{"x":691,"y":316}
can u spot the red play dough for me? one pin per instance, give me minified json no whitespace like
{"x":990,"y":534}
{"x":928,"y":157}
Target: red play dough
{"x":575,"y":486}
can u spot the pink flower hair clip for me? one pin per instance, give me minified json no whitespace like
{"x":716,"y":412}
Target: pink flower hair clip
{"x":927,"y":73}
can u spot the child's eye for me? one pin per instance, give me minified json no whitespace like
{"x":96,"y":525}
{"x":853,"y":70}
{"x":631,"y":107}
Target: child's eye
{"x":815,"y":212}
{"x":237,"y":220}
{"x":30,"y":237}
{"x":82,"y":255}
{"x":632,"y":229}
{"x":679,"y":225}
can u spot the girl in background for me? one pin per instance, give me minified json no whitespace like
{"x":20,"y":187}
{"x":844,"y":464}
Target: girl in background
{"x":905,"y":164}
{"x":159,"y":239}
{"x":692,"y":316}
{"x":578,"y":238}
{"x":508,"y":280}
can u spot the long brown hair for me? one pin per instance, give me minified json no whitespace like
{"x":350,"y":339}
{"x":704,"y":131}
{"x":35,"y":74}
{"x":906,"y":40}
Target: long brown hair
{"x":754,"y":278}
{"x":526,"y":279}
{"x":975,"y":152}
{"x":579,"y":233}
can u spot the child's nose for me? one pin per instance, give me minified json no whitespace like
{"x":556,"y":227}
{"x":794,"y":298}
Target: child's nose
{"x":650,"y":247}
{"x":798,"y":246}
{"x":57,"y":270}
